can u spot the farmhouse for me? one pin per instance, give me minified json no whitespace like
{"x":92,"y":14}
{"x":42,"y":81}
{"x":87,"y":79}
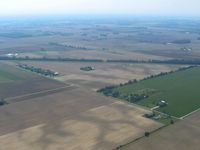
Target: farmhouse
{"x":56,"y":73}
{"x":162,"y":103}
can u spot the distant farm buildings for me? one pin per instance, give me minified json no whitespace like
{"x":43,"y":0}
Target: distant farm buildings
{"x":12,"y":55}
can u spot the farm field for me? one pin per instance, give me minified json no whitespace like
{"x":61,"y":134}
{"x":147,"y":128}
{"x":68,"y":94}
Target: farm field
{"x":128,"y":38}
{"x":44,"y":109}
{"x":72,"y":118}
{"x":104,"y":74}
{"x":16,"y":82}
{"x":6,"y":76}
{"x":9,"y":73}
{"x":55,"y":102}
{"x":93,"y":54}
{"x":183,"y":135}
{"x":177,"y":89}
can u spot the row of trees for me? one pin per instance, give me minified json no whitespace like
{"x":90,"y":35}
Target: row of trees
{"x":39,"y":70}
{"x":69,"y":46}
{"x":157,"y":75}
{"x":108,"y":91}
{"x":172,"y":61}
{"x":27,"y":58}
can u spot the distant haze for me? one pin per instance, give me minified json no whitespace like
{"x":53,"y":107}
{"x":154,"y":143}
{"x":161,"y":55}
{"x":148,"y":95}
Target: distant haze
{"x":144,"y":7}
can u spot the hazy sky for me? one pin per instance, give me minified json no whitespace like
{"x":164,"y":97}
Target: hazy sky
{"x":159,"y":7}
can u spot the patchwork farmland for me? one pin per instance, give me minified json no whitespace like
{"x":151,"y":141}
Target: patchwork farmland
{"x":69,"y":115}
{"x":44,"y":109}
{"x":52,"y":67}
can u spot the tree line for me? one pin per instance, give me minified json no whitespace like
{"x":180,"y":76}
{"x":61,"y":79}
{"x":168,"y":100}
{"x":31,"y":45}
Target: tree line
{"x":172,"y":61}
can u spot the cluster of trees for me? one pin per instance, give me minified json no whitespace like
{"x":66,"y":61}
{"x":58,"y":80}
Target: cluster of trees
{"x":137,"y":97}
{"x":69,"y":46}
{"x":39,"y":70}
{"x":3,"y":102}
{"x":76,"y":47}
{"x":129,"y":82}
{"x":109,"y":91}
{"x":133,"y":98}
{"x":88,"y":68}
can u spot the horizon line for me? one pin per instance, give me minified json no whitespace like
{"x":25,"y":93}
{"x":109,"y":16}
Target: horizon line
{"x":99,"y":15}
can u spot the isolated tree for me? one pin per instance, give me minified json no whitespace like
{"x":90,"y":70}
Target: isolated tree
{"x":171,"y":121}
{"x":2,"y":102}
{"x":147,"y":134}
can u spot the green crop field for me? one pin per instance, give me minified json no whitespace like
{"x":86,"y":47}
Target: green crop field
{"x":179,"y":89}
{"x":10,"y":73}
{"x":7,"y":76}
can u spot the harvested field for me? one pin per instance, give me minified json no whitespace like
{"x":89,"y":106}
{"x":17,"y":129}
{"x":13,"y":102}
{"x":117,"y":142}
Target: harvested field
{"x":57,"y":105}
{"x":9,"y":90}
{"x":93,"y":54}
{"x":184,"y":135}
{"x":72,"y":118}
{"x":104,"y":73}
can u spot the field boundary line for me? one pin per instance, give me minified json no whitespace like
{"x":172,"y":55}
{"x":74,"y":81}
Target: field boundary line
{"x":40,"y":92}
{"x":190,"y":113}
